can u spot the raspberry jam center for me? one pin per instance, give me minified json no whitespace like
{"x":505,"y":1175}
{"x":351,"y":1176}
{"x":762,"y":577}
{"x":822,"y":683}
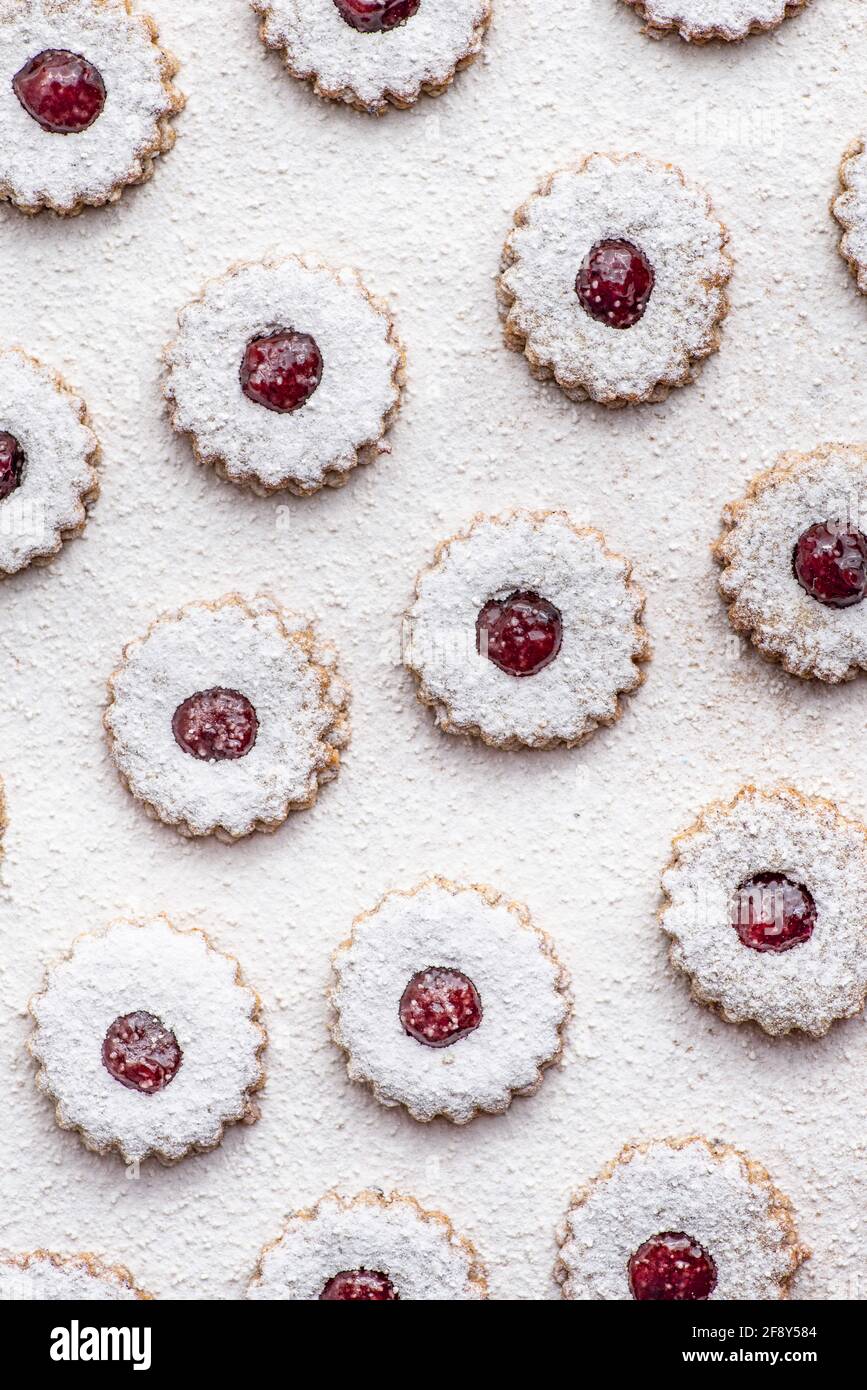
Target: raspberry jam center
{"x":615,"y":282}
{"x":521,"y":634}
{"x":771,"y":912}
{"x":376,"y":16}
{"x":216,"y":725}
{"x":281,"y":370}
{"x":360,"y":1285}
{"x":671,"y":1267}
{"x":62,"y":91}
{"x":141,"y":1053}
{"x":440,"y":1006}
{"x":831,"y":564}
{"x":11,"y":464}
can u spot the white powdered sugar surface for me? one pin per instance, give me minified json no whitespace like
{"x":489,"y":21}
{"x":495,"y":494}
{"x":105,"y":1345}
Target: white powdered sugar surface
{"x":417,"y":1250}
{"x":53,"y":1278}
{"x":850,"y":210}
{"x":707,"y":1193}
{"x":59,"y":461}
{"x":569,"y":566}
{"x":38,"y":166}
{"x":193,"y":990}
{"x":813,"y":983}
{"x":758,"y":578}
{"x":637,"y":200}
{"x":260,"y":651}
{"x":729,"y":19}
{"x":348,"y":411}
{"x":519,"y":981}
{"x":367,"y":68}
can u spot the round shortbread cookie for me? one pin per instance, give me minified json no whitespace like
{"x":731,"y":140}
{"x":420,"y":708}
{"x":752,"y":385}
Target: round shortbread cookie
{"x":448,"y":1000}
{"x":724,"y":1203}
{"x":613,"y":201}
{"x":463,"y":631}
{"x":406,"y":1253}
{"x":68,"y":169}
{"x":374,"y":70}
{"x":767,"y":910}
{"x":43,"y":1276}
{"x":226,"y":716}
{"x":849,"y":207}
{"x":148,"y":1041}
{"x":700,"y":21}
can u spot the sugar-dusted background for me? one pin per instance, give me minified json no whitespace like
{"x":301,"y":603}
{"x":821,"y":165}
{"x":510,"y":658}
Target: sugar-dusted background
{"x":421,"y":201}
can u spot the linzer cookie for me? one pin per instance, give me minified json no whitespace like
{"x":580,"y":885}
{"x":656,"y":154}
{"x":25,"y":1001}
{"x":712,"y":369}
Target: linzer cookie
{"x":613,"y":279}
{"x":679,"y":1220}
{"x":526,"y":631}
{"x":448,"y":1000}
{"x":374,"y":54}
{"x":226,"y":716}
{"x":285,"y":374}
{"x":700,"y":21}
{"x":41,"y":1275}
{"x":86,"y":101}
{"x":767,"y":910}
{"x":371,"y":1249}
{"x":794,"y":558}
{"x":148,"y":1041}
{"x":850,"y":209}
{"x":48,"y":462}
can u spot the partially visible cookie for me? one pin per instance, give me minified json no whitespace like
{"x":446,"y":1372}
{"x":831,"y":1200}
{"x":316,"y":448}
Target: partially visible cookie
{"x":849,"y":207}
{"x":369,"y":1248}
{"x":700,"y":21}
{"x":49,"y":457}
{"x":42,"y":1275}
{"x":374,"y":54}
{"x":794,"y":562}
{"x":226,"y":716}
{"x":766,"y":908}
{"x":285,"y":374}
{"x":679,"y":1220}
{"x":526,"y":631}
{"x":148,"y":1041}
{"x":613,"y":279}
{"x":86,"y":101}
{"x":448,"y":1000}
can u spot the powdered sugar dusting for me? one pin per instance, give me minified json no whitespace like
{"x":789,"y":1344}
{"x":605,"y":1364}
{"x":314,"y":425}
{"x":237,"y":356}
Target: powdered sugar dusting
{"x":60,"y":460}
{"x":519,"y":980}
{"x":417,"y":1250}
{"x":710,"y":1192}
{"x":726,"y":19}
{"x":53,"y":1278}
{"x":347,"y":413}
{"x":40,"y":167}
{"x":651,"y":205}
{"x":371,"y":69}
{"x":850,"y":210}
{"x":602,"y":638}
{"x":758,"y":579}
{"x":815,"y":982}
{"x":289,"y":678}
{"x":192,"y":989}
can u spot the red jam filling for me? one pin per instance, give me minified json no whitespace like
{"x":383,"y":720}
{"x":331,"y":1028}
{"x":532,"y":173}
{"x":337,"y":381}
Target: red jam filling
{"x":376,"y":16}
{"x":62,"y":91}
{"x":672,"y":1267}
{"x":831,"y":564}
{"x":281,"y":370}
{"x":771,"y":912}
{"x":141,"y":1053}
{"x":615,"y":282}
{"x":11,"y":464}
{"x":360,"y":1285}
{"x":439,"y":1006}
{"x":521,"y":634}
{"x":215,"y":725}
